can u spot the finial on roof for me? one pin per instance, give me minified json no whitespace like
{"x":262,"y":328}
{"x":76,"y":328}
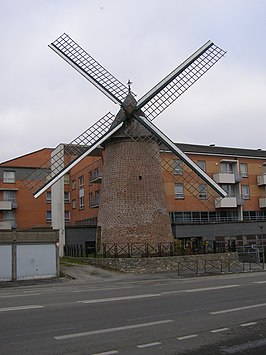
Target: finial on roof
{"x":129,"y":85}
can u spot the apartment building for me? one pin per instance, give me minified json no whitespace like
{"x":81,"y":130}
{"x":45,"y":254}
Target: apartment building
{"x":241,"y":172}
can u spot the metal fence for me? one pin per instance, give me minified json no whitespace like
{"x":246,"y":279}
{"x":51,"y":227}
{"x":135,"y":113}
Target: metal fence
{"x":130,"y":250}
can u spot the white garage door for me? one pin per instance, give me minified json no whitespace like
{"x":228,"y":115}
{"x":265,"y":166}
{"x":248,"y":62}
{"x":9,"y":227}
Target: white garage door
{"x":5,"y":262}
{"x":36,"y":261}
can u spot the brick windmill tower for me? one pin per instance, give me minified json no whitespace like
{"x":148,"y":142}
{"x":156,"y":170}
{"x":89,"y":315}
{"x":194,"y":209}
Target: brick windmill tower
{"x":133,"y":201}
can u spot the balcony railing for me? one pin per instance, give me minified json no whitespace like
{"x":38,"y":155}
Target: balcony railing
{"x":94,"y":202}
{"x":226,"y":202}
{"x":96,"y":176}
{"x":8,"y":205}
{"x":224,"y":178}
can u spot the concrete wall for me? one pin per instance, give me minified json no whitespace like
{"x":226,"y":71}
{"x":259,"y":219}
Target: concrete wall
{"x":28,"y":254}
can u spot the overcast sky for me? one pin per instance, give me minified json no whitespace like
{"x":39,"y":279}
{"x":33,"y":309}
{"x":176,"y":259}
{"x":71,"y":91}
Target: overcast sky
{"x":44,"y":101}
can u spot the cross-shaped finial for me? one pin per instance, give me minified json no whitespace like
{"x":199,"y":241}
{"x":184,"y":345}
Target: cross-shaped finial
{"x":129,"y":85}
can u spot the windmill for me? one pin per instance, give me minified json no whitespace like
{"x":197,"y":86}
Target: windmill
{"x":133,"y":205}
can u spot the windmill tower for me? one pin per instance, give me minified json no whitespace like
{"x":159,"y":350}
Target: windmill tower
{"x":133,"y":202}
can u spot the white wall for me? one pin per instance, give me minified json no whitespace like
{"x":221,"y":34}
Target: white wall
{"x":5,"y":262}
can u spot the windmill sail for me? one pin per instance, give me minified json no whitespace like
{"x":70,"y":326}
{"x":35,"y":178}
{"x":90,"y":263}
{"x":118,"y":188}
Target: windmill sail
{"x":42,"y":178}
{"x":87,"y":66}
{"x":179,"y":80}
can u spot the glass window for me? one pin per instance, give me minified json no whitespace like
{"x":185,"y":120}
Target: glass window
{"x":81,"y":182}
{"x":227,"y":168}
{"x":203,"y":192}
{"x":9,"y":195}
{"x":48,"y":196}
{"x":48,"y":216}
{"x":243,"y":168}
{"x":66,"y":179}
{"x":230,"y":189}
{"x":73,"y":184}
{"x":81,"y":203}
{"x":66,"y":197}
{"x":73,"y":203}
{"x":245,"y":192}
{"x":67,"y":216}
{"x":178,"y":167}
{"x":179,"y":191}
{"x":9,"y":177}
{"x":202,"y":164}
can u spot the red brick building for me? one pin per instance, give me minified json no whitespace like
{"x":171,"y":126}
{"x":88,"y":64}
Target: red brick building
{"x":241,"y":172}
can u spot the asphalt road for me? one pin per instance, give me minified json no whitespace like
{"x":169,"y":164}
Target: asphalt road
{"x":144,"y":314}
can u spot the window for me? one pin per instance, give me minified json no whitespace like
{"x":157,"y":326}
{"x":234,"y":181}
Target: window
{"x":66,"y":179}
{"x":97,"y":197}
{"x":74,"y":203}
{"x":264,"y":168}
{"x":179,"y":191}
{"x":91,"y":199}
{"x":81,"y":202}
{"x":230,"y":189}
{"x":178,"y":167}
{"x":243,"y":168}
{"x":66,"y":197}
{"x":245,"y":192}
{"x":203,"y":192}
{"x":81,"y":182}
{"x":48,"y":216}
{"x":227,"y":168}
{"x":9,"y":177}
{"x":73,"y":184}
{"x":9,"y":195}
{"x":202,"y":164}
{"x":48,"y":196}
{"x":81,"y":192}
{"x":67,"y":216}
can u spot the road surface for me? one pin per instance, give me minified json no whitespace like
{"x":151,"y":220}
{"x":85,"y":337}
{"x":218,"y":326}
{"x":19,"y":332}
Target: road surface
{"x":142,"y":314}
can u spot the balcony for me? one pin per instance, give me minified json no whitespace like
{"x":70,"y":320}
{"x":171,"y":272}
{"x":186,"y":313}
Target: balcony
{"x":5,"y":205}
{"x":261,"y":180}
{"x":226,"y":202}
{"x":96,"y":176}
{"x":224,"y":178}
{"x":5,"y":225}
{"x":94,"y":202}
{"x":8,"y":205}
{"x":262,"y":202}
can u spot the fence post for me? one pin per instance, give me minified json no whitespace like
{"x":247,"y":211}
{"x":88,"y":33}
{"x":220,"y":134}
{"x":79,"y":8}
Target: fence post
{"x":104,"y":250}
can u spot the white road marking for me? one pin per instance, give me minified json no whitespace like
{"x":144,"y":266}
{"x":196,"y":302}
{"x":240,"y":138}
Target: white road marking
{"x":112,"y":299}
{"x":238,"y":308}
{"x":211,"y":288}
{"x":109,"y":330}
{"x":219,"y":330}
{"x":19,"y":308}
{"x":248,"y":324}
{"x":188,"y":337}
{"x":107,"y":353}
{"x":101,"y":289}
{"x":142,"y":346}
{"x":259,"y":282}
{"x":23,"y":295}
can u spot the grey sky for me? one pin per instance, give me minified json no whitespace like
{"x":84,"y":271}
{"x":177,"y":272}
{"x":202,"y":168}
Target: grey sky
{"x":43,"y":101}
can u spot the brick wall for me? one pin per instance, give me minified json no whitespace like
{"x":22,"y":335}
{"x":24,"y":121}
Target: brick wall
{"x":133,"y":204}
